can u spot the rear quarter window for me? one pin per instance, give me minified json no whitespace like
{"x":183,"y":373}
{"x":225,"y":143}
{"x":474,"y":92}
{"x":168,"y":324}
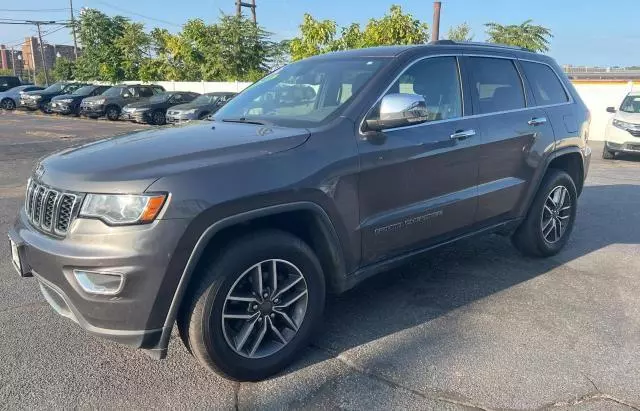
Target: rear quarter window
{"x":545,"y":84}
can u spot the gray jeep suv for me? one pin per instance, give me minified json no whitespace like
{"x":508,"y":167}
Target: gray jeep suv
{"x":236,"y":229}
{"x":111,"y":102}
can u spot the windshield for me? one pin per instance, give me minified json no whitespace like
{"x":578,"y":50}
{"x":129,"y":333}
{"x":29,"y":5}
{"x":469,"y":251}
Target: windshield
{"x":303,"y":94}
{"x":631,"y":104}
{"x":84,"y":91}
{"x":204,"y":99}
{"x":54,"y":88}
{"x":114,"y":91}
{"x":159,"y":98}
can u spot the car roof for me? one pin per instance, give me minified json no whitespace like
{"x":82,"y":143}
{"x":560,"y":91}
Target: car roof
{"x":394,"y":51}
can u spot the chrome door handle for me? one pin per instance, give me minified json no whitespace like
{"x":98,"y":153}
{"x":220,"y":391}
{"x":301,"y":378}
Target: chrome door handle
{"x":462,"y":134}
{"x":536,"y":121}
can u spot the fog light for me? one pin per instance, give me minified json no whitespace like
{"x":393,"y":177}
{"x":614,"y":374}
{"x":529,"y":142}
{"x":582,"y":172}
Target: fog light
{"x":613,"y":145}
{"x":97,"y":282}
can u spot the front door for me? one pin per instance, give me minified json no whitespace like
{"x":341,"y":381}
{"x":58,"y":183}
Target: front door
{"x":417,"y":183}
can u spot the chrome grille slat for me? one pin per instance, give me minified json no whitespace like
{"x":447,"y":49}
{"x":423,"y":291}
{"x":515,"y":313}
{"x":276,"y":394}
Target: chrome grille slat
{"x":50,"y":210}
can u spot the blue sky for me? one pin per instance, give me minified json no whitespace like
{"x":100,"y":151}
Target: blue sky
{"x":585,"y":32}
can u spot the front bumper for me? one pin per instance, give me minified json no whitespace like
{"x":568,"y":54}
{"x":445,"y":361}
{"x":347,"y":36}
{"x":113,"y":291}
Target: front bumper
{"x":61,"y":108}
{"x":92,"y":111}
{"x":136,"y":316}
{"x":180,"y":118}
{"x":138,"y":117}
{"x":30,"y":104}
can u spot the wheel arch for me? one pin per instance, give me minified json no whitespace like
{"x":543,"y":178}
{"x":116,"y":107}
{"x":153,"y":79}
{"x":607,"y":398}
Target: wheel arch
{"x":306,"y":220}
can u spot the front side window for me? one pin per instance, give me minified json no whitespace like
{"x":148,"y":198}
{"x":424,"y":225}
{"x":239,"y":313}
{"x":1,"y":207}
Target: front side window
{"x":496,"y":84}
{"x":303,"y":94}
{"x":437,"y":80}
{"x":545,"y":84}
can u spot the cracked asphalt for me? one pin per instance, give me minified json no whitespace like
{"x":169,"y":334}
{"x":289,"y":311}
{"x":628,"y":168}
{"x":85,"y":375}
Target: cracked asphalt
{"x":472,"y":326}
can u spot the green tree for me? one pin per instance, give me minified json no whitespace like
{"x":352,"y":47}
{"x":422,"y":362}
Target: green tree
{"x":98,"y":34}
{"x":133,"y":46}
{"x":316,"y":37}
{"x":64,"y":69}
{"x":529,"y":36}
{"x":461,"y":32}
{"x":395,"y":27}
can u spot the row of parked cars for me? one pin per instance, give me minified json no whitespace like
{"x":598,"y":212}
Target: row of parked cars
{"x":142,"y":103}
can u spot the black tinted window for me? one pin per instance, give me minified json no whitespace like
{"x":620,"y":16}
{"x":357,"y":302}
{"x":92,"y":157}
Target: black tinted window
{"x":545,"y":84}
{"x":145,"y":92}
{"x":496,"y":84}
{"x":435,"y":79}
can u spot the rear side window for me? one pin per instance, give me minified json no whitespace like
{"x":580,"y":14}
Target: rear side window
{"x":496,"y":84}
{"x":145,"y":91}
{"x":545,"y":84}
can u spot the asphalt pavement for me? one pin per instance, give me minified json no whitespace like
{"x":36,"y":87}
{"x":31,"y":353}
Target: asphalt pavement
{"x":473,"y":325}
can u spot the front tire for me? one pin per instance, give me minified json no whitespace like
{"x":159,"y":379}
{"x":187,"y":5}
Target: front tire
{"x":112,"y":113}
{"x":8,"y":104}
{"x":549,"y":221}
{"x":246,"y":323}
{"x":607,"y":154}
{"x":158,"y":118}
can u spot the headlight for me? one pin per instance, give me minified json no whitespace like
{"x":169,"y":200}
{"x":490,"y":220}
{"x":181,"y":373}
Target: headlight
{"x":65,"y":100}
{"x":119,"y":209}
{"x":36,"y":97}
{"x":625,"y":126}
{"x":192,"y":111}
{"x":100,"y":101}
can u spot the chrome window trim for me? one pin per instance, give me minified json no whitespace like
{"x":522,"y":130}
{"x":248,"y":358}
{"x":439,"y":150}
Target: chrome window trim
{"x":457,"y":56}
{"x":564,"y":87}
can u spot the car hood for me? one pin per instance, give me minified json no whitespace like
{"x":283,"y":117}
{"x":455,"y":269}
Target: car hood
{"x":42,"y":93}
{"x":67,"y":96}
{"x":130,"y":163}
{"x":94,"y":98}
{"x":628,"y":117}
{"x":145,"y":104}
{"x":189,"y":106}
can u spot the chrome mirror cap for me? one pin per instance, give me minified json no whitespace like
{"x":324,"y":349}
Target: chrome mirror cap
{"x":399,"y":109}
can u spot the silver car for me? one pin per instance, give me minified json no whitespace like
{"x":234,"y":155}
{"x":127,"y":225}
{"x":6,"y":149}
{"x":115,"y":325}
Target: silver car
{"x":10,"y":99}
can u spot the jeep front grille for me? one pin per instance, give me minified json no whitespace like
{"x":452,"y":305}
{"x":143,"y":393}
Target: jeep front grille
{"x":48,"y":209}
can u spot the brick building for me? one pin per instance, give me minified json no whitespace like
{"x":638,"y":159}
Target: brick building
{"x":32,"y":58}
{"x":7,"y":60}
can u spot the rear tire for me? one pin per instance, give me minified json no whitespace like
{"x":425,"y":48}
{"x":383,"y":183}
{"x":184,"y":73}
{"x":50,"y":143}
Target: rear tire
{"x":549,"y":221}
{"x":607,"y":154}
{"x":229,"y":285}
{"x":8,"y":104}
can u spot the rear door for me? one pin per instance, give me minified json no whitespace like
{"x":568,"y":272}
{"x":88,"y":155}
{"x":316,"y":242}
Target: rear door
{"x":513,"y":134}
{"x":417,"y":183}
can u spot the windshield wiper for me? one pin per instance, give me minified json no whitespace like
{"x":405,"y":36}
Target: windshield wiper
{"x":245,"y":120}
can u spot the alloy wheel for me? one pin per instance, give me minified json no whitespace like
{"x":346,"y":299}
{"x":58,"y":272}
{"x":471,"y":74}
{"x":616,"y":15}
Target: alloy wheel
{"x":264,"y":308}
{"x":556,"y":214}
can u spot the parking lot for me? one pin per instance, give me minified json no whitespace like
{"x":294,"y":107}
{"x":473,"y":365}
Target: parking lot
{"x":472,"y":326}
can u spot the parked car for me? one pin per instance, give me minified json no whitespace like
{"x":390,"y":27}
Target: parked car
{"x":41,"y":99}
{"x":236,"y":229}
{"x":10,"y":99}
{"x":110,"y":102}
{"x":154,"y":109}
{"x":70,"y":103}
{"x":623,"y":130}
{"x":9,"y":82}
{"x":200,"y":108}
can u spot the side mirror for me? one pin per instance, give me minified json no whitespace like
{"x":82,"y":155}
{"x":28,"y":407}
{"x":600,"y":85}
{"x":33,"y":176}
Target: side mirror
{"x":611,"y":110}
{"x":400,"y":109}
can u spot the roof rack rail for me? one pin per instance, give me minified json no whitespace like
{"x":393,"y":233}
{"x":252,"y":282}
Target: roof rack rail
{"x":477,"y":43}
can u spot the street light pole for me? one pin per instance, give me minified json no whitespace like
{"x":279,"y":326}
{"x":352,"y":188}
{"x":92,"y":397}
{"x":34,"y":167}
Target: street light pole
{"x":13,"y":61}
{"x":44,"y":63}
{"x":73,"y":29}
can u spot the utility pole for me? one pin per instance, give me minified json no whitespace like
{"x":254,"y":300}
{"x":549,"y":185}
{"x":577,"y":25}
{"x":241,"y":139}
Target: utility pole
{"x":44,"y":63}
{"x":73,"y":29}
{"x":13,"y":61}
{"x":435,"y":36}
{"x":240,"y":4}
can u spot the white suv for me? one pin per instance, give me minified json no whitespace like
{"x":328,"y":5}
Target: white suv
{"x":623,"y":130}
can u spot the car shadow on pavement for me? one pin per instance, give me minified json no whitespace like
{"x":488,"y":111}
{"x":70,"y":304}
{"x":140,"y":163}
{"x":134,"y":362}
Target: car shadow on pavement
{"x":402,"y":320}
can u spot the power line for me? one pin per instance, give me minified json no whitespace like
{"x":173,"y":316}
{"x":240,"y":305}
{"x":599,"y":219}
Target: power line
{"x":137,"y":14}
